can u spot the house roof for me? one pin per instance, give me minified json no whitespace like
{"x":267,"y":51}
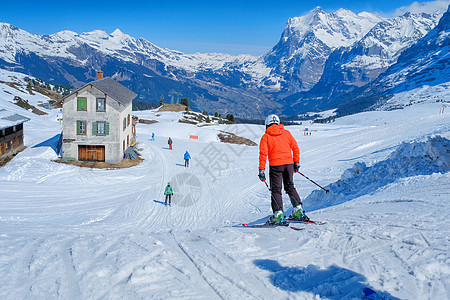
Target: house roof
{"x":9,"y":119}
{"x":112,"y":88}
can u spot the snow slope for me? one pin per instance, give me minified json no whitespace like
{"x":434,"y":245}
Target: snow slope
{"x":17,"y":87}
{"x":76,"y":233}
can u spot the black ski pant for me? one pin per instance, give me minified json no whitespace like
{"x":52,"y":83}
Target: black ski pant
{"x":278,"y":175}
{"x":169,"y":197}
{"x":186,"y":162}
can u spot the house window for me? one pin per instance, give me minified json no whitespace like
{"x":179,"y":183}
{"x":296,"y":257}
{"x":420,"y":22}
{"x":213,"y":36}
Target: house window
{"x":81,"y":127}
{"x":124,"y":124}
{"x":100,"y":128}
{"x":101,"y":104}
{"x":128,"y":120}
{"x":82,"y":104}
{"x":123,"y":145}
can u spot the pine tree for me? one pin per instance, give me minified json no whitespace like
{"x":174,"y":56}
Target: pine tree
{"x":230,"y":118}
{"x":184,"y":101}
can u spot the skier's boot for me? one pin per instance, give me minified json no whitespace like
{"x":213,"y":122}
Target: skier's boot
{"x":298,"y":214}
{"x":277,"y":218}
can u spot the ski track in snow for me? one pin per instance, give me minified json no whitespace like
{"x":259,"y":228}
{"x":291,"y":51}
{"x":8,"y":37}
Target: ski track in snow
{"x":76,"y":233}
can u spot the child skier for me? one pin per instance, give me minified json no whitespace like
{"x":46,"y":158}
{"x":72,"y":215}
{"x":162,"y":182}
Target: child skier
{"x":170,"y":143}
{"x":187,"y":156}
{"x":168,"y":192}
{"x":284,"y":156}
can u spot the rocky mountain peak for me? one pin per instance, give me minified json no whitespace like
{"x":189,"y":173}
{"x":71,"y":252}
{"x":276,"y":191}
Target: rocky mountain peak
{"x":307,"y":41}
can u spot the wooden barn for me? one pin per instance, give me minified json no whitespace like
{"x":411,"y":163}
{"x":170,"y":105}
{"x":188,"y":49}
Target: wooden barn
{"x":11,"y":132}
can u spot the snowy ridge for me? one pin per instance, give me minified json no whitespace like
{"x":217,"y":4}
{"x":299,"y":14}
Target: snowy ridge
{"x":385,"y":42}
{"x":8,"y":92}
{"x":408,"y":160}
{"x":353,"y":48}
{"x":348,"y":68}
{"x":420,"y":74}
{"x":116,"y":44}
{"x":337,"y":29}
{"x":308,"y":40}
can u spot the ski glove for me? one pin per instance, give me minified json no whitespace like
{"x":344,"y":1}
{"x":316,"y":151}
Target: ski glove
{"x":296,"y":167}
{"x":261,"y":175}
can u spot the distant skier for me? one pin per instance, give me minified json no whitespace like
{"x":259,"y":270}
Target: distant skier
{"x":153,"y":136}
{"x":284,"y":156}
{"x":168,"y":192}
{"x":187,"y":156}
{"x":170,"y":143}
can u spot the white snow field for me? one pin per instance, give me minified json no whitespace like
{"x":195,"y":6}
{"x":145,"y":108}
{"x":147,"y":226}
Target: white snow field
{"x":77,"y":233}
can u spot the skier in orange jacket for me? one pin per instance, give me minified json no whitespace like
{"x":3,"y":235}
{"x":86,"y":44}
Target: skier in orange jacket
{"x":284,"y":155}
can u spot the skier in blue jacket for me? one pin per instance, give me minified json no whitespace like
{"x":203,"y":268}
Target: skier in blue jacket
{"x":187,"y":156}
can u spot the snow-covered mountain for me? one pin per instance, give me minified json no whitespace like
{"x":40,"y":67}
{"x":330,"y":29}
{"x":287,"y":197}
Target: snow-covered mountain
{"x":210,"y":81}
{"x":364,"y":45}
{"x":70,"y":45}
{"x":422,"y":71}
{"x":303,"y":41}
{"x":360,"y":63}
{"x":307,"y":41}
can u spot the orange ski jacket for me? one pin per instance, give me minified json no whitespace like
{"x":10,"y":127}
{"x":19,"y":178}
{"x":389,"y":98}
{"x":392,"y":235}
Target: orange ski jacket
{"x":281,"y":147}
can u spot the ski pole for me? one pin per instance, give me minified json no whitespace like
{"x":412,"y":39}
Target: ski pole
{"x":272,"y":198}
{"x":326,"y":191}
{"x":267,"y":185}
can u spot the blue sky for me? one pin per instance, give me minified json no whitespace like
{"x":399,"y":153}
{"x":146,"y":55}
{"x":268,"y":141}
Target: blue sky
{"x":235,"y":27}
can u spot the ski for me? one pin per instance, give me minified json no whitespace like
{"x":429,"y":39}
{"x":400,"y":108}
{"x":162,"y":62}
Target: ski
{"x":296,"y":228}
{"x":271,"y":226}
{"x":307,"y":222}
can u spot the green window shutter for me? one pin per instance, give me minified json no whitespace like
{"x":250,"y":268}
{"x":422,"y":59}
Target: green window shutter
{"x":107,"y":128}
{"x":78,"y":127}
{"x":82,"y":104}
{"x":94,"y":128}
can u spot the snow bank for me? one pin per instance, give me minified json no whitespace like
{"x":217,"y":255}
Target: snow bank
{"x":410,"y":159}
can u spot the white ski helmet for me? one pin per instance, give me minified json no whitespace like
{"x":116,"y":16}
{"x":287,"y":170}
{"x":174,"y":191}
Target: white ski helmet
{"x":272,"y":119}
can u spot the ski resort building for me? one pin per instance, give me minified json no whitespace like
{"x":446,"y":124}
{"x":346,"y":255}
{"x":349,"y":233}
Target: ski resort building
{"x":11,"y":132}
{"x":97,"y":121}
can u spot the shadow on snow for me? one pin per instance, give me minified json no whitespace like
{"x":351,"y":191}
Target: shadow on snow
{"x":331,"y":283}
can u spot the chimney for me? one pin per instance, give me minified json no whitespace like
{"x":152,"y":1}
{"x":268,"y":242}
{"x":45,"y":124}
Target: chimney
{"x":99,"y":74}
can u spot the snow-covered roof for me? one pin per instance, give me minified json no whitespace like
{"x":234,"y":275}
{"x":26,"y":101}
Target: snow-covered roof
{"x":112,"y":88}
{"x":8,"y":119}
